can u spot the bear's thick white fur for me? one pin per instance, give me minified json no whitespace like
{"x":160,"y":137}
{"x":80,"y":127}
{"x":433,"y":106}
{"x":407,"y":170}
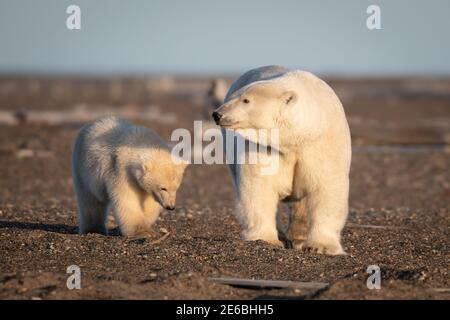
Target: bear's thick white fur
{"x":314,"y":157}
{"x":125,"y":167}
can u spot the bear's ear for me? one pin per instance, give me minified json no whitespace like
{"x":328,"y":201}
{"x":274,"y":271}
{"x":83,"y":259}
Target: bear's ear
{"x":137,"y":170}
{"x":289,"y":97}
{"x":146,"y":166}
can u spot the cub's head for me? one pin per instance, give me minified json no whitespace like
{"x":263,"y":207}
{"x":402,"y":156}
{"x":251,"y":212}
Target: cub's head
{"x":257,"y":106}
{"x":160,"y":177}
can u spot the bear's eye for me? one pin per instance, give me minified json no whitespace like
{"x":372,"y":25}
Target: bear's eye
{"x":163,"y":189}
{"x":246,"y":100}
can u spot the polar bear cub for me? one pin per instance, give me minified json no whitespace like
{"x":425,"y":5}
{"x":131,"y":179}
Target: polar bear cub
{"x":313,"y":159}
{"x":126,"y":168}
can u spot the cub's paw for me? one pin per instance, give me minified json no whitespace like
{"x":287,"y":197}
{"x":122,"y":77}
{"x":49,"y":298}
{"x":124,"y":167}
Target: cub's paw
{"x":332,"y":249}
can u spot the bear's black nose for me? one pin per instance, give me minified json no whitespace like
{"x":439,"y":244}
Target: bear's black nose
{"x":216,"y":116}
{"x":170,"y":208}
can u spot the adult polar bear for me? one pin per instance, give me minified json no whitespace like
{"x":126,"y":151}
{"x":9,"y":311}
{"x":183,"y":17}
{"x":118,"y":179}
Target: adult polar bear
{"x":314,"y":157}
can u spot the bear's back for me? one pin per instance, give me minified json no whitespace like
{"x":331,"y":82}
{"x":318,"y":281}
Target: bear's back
{"x":99,"y":142}
{"x":104,"y":129}
{"x":113,"y":132}
{"x":142,"y":137}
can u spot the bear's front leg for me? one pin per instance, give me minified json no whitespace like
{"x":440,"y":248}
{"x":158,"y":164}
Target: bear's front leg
{"x":328,"y":209}
{"x":130,"y":217}
{"x":152,"y":209}
{"x":257,"y":208}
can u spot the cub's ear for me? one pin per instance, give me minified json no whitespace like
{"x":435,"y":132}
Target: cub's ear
{"x":137,"y":170}
{"x":289,"y":97}
{"x":147,"y":166}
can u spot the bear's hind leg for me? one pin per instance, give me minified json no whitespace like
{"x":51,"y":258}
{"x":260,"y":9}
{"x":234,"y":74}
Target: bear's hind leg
{"x":92,"y":213}
{"x":298,"y":222}
{"x":282,"y":232}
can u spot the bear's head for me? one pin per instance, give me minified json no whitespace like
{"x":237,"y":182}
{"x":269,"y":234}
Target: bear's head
{"x":160,"y":177}
{"x":261,"y":105}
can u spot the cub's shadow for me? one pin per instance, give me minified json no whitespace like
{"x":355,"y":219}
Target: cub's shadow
{"x":57,"y":228}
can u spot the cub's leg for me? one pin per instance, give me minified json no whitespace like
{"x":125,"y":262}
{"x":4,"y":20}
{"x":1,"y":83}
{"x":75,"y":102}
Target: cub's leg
{"x":152,"y":210}
{"x":328,"y":209}
{"x":257,"y":206}
{"x":92,"y":213}
{"x":298,"y":222}
{"x":127,"y":205}
{"x":130,"y":218}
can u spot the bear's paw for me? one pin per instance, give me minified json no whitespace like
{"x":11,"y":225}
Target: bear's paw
{"x":331,"y":248}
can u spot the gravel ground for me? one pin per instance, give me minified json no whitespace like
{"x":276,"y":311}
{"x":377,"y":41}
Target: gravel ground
{"x":399,"y":220}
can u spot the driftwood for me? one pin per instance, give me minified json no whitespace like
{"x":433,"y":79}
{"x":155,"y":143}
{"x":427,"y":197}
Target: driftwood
{"x":160,"y":239}
{"x":143,"y":238}
{"x":270,"y":284}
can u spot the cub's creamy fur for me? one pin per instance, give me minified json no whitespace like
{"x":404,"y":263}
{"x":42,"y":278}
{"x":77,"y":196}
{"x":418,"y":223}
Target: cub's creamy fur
{"x":314,"y":158}
{"x":125,"y":167}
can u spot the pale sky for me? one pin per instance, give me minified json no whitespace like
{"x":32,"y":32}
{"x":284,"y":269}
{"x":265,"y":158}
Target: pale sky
{"x":211,"y":36}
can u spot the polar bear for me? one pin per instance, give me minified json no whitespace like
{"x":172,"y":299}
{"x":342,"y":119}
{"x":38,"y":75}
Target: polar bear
{"x":314,"y":155}
{"x":125,"y":167}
